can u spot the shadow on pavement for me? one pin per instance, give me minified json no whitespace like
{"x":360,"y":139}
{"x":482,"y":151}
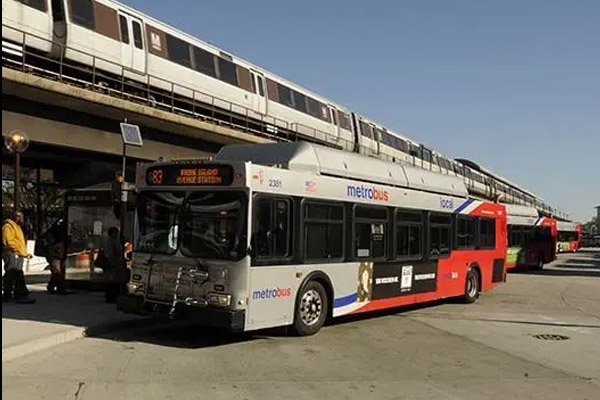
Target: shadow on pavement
{"x":77,"y":309}
{"x":578,"y":264}
{"x":179,"y":334}
{"x":182,"y":335}
{"x":559,"y":272}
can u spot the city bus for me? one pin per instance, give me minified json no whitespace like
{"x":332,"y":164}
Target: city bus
{"x":293,"y":234}
{"x":531,"y":238}
{"x":569,"y":237}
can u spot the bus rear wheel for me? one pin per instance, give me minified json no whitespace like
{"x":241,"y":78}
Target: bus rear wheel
{"x":540,"y":263}
{"x":472,"y":286}
{"x":311,"y":309}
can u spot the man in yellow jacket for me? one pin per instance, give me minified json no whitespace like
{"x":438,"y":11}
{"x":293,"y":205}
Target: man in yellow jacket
{"x":14,"y":251}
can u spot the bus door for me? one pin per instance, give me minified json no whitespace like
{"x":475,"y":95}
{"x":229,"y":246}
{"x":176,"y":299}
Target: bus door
{"x":133,"y":55}
{"x":258,"y":85}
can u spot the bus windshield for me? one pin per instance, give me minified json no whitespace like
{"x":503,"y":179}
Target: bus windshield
{"x":213,"y":225}
{"x":208,"y":225}
{"x":157,"y":222}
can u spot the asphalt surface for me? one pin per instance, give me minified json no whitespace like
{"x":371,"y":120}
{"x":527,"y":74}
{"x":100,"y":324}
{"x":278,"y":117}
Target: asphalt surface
{"x":535,"y":337}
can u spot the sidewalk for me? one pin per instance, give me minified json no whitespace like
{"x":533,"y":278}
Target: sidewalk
{"x":54,"y":320}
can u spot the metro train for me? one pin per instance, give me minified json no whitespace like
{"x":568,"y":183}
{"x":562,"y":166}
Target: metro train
{"x":116,"y":39}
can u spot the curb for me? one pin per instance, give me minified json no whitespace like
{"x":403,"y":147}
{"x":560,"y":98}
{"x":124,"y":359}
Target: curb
{"x":35,"y":345}
{"x":32,"y":346}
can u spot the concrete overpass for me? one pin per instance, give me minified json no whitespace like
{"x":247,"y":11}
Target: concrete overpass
{"x":66,"y":99}
{"x":78,"y":128}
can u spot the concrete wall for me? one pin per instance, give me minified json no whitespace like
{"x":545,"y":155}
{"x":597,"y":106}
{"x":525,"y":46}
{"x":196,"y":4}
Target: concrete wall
{"x":78,"y":137}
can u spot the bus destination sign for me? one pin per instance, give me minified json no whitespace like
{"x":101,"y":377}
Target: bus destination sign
{"x":186,"y":175}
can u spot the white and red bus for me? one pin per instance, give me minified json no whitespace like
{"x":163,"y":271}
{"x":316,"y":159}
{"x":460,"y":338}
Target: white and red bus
{"x":531,"y":238}
{"x":294,"y":234}
{"x":569,"y":237}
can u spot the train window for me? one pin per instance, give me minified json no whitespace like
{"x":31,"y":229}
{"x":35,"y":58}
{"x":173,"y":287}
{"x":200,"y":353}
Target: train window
{"x":58,"y":11}
{"x":179,"y":51}
{"x":487,"y":233}
{"x":366,"y":129}
{"x":261,"y":85}
{"x":314,"y":108}
{"x":401,"y":145}
{"x":344,"y":120}
{"x":37,"y":4}
{"x":300,"y":102}
{"x":323,"y":231}
{"x":415,"y":150}
{"x":466,"y":228}
{"x":227,"y":71}
{"x":285,"y":95}
{"x":409,"y":234}
{"x":124,"y":29}
{"x":82,"y":13}
{"x":204,"y":62}
{"x":386,"y":138}
{"x":370,"y":226}
{"x":244,"y":78}
{"x":137,"y":35}
{"x":427,"y":156}
{"x":439,"y":235}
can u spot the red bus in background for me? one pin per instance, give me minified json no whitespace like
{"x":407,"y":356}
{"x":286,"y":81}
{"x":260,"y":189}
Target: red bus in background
{"x":569,"y":237}
{"x":532,"y":239}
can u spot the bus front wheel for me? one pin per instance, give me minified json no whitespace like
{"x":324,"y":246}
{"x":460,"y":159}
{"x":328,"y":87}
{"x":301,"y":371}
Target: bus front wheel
{"x":471,"y":286}
{"x":311,"y":309}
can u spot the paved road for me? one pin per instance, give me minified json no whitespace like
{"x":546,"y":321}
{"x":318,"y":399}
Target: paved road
{"x":448,"y":351}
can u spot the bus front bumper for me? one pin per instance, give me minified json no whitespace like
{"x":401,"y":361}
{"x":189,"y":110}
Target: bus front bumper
{"x":232,"y":320}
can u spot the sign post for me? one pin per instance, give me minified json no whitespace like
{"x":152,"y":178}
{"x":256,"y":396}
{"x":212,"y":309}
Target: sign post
{"x":131,"y":136}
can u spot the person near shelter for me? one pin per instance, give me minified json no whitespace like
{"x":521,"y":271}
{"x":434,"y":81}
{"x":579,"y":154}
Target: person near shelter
{"x":56,"y":257}
{"x":117,"y":273}
{"x":14,"y":252}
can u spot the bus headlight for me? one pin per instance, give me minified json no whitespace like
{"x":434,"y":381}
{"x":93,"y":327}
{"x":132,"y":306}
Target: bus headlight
{"x":219,"y":300}
{"x":135,"y":287}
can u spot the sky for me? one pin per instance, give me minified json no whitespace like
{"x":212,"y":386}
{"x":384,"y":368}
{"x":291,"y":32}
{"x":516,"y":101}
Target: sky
{"x":512,"y":84}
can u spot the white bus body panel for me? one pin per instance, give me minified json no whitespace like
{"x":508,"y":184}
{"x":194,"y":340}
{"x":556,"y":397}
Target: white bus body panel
{"x":521,"y":215}
{"x":307,"y":157}
{"x":566,"y":226}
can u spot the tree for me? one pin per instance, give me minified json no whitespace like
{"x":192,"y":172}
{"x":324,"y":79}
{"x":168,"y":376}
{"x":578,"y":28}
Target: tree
{"x":590,"y":228}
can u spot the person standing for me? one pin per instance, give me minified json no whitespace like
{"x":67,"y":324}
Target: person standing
{"x":56,"y":256}
{"x":117,"y":274}
{"x":14,"y":252}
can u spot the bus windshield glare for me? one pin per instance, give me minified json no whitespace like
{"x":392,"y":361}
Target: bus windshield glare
{"x":210,"y":225}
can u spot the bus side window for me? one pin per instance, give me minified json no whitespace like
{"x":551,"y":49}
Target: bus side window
{"x":439,"y":235}
{"x":272,"y":231}
{"x":370,"y":226}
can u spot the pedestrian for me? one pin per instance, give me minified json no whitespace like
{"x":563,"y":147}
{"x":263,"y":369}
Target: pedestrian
{"x":117,"y":273}
{"x":56,"y":256}
{"x":14,"y":252}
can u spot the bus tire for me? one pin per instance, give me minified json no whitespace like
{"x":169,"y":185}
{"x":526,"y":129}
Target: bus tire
{"x":311,"y":309}
{"x":540,"y":263}
{"x":472,"y":285}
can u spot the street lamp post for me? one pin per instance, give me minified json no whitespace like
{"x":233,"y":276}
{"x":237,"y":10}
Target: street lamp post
{"x":17,"y":142}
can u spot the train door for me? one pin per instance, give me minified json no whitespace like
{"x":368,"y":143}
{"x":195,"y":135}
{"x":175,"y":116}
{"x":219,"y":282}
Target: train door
{"x":377,"y":137}
{"x":258,"y":85}
{"x":335,"y":123}
{"x":133,"y":55}
{"x":365,"y":136}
